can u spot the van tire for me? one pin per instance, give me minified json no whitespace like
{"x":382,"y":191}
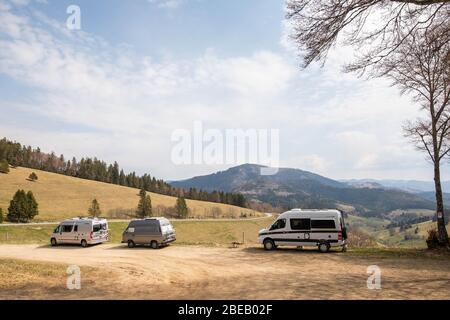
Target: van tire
{"x":269,"y":244}
{"x":324,"y":247}
{"x":154,"y":244}
{"x":53,"y":242}
{"x":131,"y":244}
{"x":84,"y":243}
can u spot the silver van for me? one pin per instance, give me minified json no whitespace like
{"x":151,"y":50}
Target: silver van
{"x":155,"y":232}
{"x":83,"y":231}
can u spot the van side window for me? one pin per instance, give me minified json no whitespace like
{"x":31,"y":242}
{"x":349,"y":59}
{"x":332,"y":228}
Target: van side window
{"x":67,"y":228}
{"x":279,"y":224}
{"x":75,"y":229}
{"x":323,"y":224}
{"x":300,"y":224}
{"x":96,"y":228}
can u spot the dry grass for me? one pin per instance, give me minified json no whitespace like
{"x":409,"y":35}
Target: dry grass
{"x":194,"y":272}
{"x":16,"y":274}
{"x":62,"y":197}
{"x":23,"y":279}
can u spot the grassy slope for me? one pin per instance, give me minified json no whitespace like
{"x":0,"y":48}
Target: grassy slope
{"x":377,"y":229}
{"x":366,"y":224}
{"x":209,"y":233}
{"x":398,"y":238}
{"x":62,"y":197}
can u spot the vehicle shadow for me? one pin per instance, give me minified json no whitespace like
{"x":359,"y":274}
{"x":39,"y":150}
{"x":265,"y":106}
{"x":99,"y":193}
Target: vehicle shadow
{"x":287,"y":250}
{"x":67,"y":246}
{"x":124,"y":246}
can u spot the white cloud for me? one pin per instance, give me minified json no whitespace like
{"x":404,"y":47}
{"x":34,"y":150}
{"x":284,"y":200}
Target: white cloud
{"x":169,"y":4}
{"x":126,"y":106}
{"x":314,"y":163}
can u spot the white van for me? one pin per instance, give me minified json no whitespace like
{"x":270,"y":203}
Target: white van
{"x":84,"y":231}
{"x":301,"y":227}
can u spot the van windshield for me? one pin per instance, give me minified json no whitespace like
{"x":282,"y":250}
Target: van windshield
{"x":166,"y":228}
{"x":98,"y":227}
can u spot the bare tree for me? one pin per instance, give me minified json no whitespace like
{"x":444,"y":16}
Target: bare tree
{"x":421,"y":67}
{"x":375,"y":27}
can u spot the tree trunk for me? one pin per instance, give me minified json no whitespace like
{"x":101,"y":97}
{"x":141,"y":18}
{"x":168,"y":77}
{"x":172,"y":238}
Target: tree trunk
{"x":442,"y":231}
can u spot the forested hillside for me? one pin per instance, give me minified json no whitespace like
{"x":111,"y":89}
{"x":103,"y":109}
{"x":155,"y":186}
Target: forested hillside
{"x":95,"y":169}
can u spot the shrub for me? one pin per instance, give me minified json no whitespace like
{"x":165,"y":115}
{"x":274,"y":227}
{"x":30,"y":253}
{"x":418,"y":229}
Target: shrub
{"x":121,"y":213}
{"x":216,"y":212}
{"x":33,"y":177}
{"x":94,"y":209}
{"x":433,"y":239}
{"x":409,"y":236}
{"x":4,"y":166}
{"x":360,"y":238}
{"x":163,"y":211}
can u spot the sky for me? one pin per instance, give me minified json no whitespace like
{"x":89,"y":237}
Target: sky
{"x":137,"y":71}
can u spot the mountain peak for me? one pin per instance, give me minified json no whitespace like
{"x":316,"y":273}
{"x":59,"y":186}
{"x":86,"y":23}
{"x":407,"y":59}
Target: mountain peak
{"x":290,"y":187}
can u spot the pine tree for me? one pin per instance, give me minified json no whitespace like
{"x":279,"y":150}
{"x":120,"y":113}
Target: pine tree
{"x":115,"y":173}
{"x":4,"y":166}
{"x":144,"y":208}
{"x":33,"y":177}
{"x":32,"y":206}
{"x":18,"y":207}
{"x":181,"y":207}
{"x":122,"y":178}
{"x":94,"y":209}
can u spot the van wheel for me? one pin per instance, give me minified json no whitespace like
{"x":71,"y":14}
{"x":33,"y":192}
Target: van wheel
{"x":84,"y":243}
{"x":53,"y":242}
{"x":269,"y":244}
{"x":131,"y":244}
{"x":324,"y":247}
{"x":154,"y":244}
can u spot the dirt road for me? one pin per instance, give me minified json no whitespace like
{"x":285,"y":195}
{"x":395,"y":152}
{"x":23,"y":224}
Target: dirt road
{"x":179,"y":272}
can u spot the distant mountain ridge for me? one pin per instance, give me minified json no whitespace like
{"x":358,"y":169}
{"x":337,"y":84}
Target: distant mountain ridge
{"x":406,"y":185}
{"x":298,"y":188}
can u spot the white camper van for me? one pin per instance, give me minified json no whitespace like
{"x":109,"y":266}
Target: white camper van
{"x":301,"y":227}
{"x":84,"y":231}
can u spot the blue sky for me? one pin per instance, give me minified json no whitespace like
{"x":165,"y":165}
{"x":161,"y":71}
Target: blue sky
{"x":139,"y":70}
{"x":182,"y":29}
